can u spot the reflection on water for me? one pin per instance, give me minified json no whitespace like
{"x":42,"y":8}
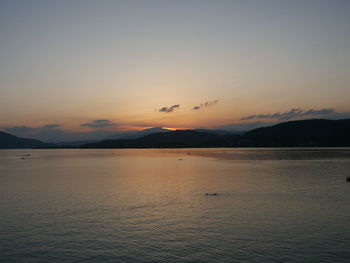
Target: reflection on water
{"x":275,"y":205}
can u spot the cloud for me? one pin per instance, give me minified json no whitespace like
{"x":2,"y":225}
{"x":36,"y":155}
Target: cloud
{"x":51,"y":126}
{"x":295,"y":113}
{"x":169,"y":109}
{"x":206,"y":104}
{"x":321,"y":112}
{"x":99,"y":124}
{"x":276,"y":118}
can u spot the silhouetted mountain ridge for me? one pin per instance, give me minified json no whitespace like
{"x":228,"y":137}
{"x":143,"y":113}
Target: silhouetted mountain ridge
{"x":8,"y":141}
{"x":302,"y":133}
{"x":174,"y":139}
{"x":136,"y":134}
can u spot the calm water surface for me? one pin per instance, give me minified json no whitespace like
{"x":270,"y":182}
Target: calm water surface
{"x":274,"y":205}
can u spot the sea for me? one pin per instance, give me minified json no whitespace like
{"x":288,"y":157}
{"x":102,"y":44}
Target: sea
{"x":175,"y":205}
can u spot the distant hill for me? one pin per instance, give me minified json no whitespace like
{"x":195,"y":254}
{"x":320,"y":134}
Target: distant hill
{"x":136,"y":134}
{"x":221,"y":132}
{"x":303,"y":133}
{"x":240,"y":128}
{"x":74,"y":143}
{"x":173,"y":139}
{"x":8,"y":141}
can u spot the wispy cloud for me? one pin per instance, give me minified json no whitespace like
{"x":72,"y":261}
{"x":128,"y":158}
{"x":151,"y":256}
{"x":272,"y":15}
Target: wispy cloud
{"x":169,"y":109}
{"x":295,"y":113}
{"x":99,"y":124}
{"x":205,"y":104}
{"x":51,"y":126}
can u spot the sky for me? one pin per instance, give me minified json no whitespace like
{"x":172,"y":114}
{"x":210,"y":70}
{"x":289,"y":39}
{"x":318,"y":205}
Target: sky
{"x":96,"y":67}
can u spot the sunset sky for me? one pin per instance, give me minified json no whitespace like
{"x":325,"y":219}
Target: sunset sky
{"x":92,"y":66}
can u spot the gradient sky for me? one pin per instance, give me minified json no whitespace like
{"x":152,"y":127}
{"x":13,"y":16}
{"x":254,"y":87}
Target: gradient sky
{"x":73,"y":62}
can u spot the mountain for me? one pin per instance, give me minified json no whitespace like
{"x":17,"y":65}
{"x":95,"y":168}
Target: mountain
{"x":240,"y":128}
{"x":221,"y":132}
{"x":303,"y":133}
{"x":75,"y":143}
{"x":8,"y":141}
{"x":136,"y":134}
{"x":172,"y":139}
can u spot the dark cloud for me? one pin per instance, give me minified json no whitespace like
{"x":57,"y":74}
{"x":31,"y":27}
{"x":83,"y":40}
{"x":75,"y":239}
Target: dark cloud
{"x":281,"y":117}
{"x":99,"y":124}
{"x":206,"y":104}
{"x":319,"y":112}
{"x":295,"y":113}
{"x":169,"y":109}
{"x":51,"y":126}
